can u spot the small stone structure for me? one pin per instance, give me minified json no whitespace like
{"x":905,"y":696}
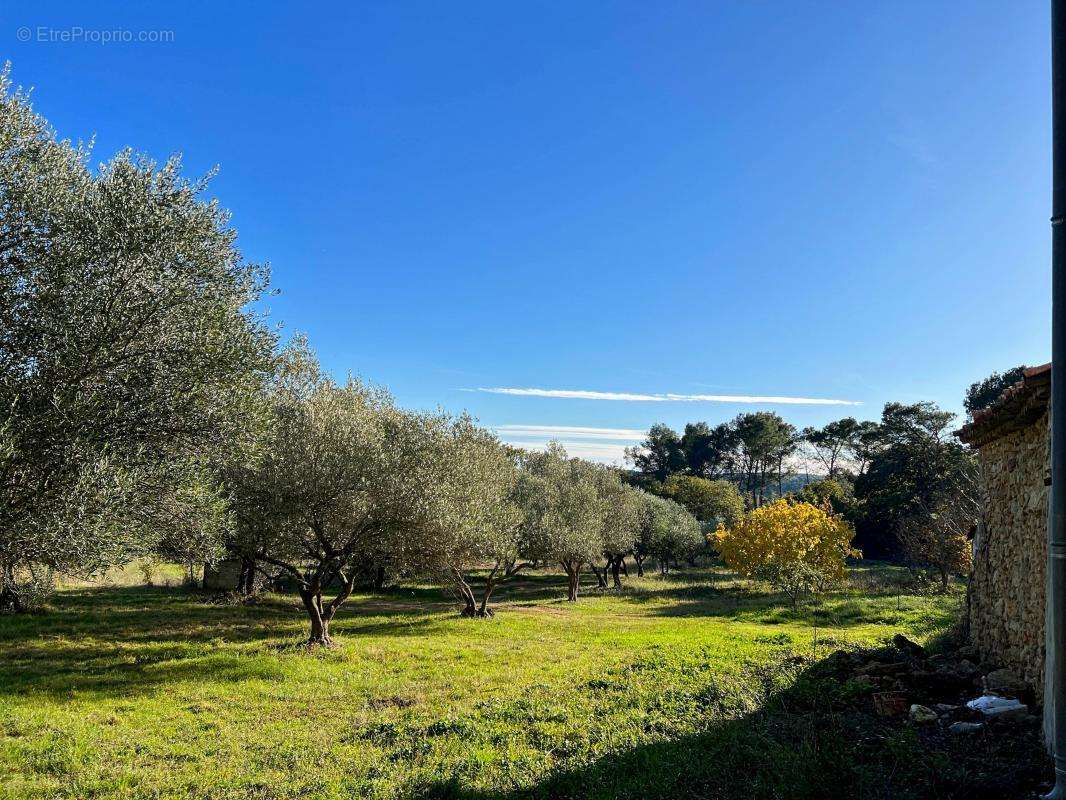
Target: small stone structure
{"x":1007,"y":587}
{"x":234,"y":575}
{"x":222,"y":576}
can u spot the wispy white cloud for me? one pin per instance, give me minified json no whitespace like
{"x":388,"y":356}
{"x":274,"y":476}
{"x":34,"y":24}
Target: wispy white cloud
{"x":604,"y":445}
{"x":601,"y":452}
{"x":637,"y":397}
{"x":566,"y":431}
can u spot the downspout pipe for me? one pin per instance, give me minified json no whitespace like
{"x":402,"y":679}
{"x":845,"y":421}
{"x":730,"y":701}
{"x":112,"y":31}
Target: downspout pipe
{"x":1055,"y":657}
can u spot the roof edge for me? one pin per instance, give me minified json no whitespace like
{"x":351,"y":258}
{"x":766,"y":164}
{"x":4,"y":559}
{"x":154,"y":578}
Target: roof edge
{"x":1020,"y":404}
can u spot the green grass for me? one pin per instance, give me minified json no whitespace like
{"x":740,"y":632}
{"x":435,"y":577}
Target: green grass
{"x":659,"y":690}
{"x":133,"y":574}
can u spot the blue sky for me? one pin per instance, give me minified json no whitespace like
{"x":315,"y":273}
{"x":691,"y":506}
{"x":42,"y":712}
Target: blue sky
{"x":842,"y":201}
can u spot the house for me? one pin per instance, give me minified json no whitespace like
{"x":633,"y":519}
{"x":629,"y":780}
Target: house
{"x":1008,"y":585}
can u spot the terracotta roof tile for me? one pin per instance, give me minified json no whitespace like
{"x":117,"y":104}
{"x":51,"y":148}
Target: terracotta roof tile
{"x":1020,"y":404}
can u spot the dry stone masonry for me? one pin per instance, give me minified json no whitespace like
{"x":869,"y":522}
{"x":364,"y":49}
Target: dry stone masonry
{"x":1007,"y":588}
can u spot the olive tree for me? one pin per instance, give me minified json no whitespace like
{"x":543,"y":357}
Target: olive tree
{"x":127,"y":353}
{"x":336,"y":480}
{"x":192,"y":519}
{"x":567,"y":519}
{"x":667,"y":532}
{"x":472,"y":482}
{"x":622,"y":506}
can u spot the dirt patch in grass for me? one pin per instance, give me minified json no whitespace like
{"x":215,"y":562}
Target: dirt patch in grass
{"x":393,"y":701}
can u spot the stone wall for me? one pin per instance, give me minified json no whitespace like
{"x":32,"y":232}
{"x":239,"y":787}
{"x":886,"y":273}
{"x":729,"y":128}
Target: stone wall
{"x":222,"y":576}
{"x":1006,"y":604}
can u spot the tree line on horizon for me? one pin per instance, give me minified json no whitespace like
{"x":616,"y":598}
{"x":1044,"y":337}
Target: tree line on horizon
{"x":896,"y":480}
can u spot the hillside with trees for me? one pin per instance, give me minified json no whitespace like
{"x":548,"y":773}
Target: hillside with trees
{"x":884,"y":477}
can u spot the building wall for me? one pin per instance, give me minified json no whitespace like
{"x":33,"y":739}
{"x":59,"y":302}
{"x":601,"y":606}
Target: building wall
{"x":223,"y":575}
{"x":1006,"y":605}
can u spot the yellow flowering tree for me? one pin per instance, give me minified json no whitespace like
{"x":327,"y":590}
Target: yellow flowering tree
{"x":798,"y":547}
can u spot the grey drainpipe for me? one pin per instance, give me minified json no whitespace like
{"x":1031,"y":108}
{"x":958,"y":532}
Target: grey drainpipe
{"x":1056,"y":611}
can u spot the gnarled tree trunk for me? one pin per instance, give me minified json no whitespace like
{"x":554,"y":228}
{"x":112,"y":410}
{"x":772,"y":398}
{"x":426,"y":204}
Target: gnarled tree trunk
{"x":9,"y":596}
{"x":322,"y":615}
{"x":312,"y":600}
{"x":484,"y":610}
{"x":466,"y":594}
{"x":573,"y":575}
{"x":501,"y":571}
{"x":246,"y":578}
{"x":601,"y":575}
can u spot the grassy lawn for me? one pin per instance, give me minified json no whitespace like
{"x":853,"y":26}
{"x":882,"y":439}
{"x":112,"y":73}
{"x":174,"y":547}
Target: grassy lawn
{"x":660,"y":690}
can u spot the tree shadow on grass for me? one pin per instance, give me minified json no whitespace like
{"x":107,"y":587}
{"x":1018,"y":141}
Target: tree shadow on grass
{"x":716,"y":592}
{"x":816,"y":739}
{"x":144,"y":613}
{"x":840,"y":610}
{"x":131,"y":639}
{"x":128,"y":640}
{"x":123,"y":641}
{"x":713,"y":593}
{"x":529,"y":587}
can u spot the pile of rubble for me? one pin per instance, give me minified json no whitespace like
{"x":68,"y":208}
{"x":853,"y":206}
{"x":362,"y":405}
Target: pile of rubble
{"x":955,"y":692}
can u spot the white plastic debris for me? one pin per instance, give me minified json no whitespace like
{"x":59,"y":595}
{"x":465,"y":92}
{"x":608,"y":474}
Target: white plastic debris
{"x":999,"y":707}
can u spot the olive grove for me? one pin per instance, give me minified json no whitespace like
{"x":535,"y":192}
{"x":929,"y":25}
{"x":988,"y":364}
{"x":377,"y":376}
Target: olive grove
{"x":149,"y":410}
{"x":129,"y":361}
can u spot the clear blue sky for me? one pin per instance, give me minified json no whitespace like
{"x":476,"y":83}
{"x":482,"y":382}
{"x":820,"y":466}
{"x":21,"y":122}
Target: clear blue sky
{"x":815,"y":200}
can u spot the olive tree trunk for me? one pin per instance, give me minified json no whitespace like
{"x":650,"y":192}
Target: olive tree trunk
{"x":9,"y":596}
{"x":466,"y":595}
{"x":500,"y":572}
{"x":321,"y":615}
{"x":573,"y":575}
{"x":320,"y":620}
{"x":246,"y":578}
{"x":379,"y":578}
{"x":601,"y":575}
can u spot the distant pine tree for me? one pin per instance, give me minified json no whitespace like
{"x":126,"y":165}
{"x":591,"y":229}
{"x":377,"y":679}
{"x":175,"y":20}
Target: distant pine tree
{"x":984,"y":393}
